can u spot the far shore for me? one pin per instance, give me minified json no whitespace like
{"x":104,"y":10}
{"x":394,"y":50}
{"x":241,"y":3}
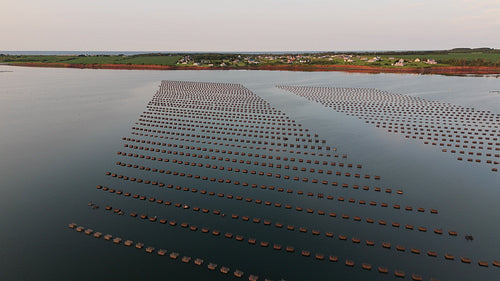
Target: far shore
{"x":444,"y":70}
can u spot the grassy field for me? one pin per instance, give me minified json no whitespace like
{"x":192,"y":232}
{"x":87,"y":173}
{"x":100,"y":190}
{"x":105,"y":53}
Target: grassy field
{"x":492,"y":57}
{"x":91,"y":60}
{"x":139,"y":59}
{"x":153,"y":60}
{"x":22,"y":59}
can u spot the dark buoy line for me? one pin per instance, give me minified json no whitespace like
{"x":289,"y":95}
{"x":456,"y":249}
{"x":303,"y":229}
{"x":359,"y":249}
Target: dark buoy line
{"x":161,"y":252}
{"x":306,"y":253}
{"x":237,"y":157}
{"x":230,"y":168}
{"x":226,"y":270}
{"x":258,"y":201}
{"x":320,"y":195}
{"x":299,"y":192}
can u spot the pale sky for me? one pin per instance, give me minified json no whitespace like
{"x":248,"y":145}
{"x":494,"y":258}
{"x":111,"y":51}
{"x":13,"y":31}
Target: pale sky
{"x":247,"y":25}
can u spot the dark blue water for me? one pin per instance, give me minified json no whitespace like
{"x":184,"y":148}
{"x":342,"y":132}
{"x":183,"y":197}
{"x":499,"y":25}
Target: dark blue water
{"x":61,"y":129}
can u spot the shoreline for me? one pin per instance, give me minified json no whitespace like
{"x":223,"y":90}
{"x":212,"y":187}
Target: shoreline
{"x":443,"y":70}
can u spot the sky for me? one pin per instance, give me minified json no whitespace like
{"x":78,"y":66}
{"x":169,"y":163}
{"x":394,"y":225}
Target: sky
{"x":247,"y":25}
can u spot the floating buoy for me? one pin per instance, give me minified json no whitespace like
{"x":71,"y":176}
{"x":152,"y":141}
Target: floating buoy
{"x":238,"y":273}
{"x":349,"y":263}
{"x":483,"y":263}
{"x":431,"y":253}
{"x":212,"y":266}
{"x":465,"y":260}
{"x":449,"y":257}
{"x":399,"y":273}
{"x":416,"y":277}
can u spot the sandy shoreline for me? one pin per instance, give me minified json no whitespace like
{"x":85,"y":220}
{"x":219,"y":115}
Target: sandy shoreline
{"x":445,"y":70}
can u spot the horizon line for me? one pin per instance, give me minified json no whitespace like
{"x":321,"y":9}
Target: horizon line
{"x":250,"y":52}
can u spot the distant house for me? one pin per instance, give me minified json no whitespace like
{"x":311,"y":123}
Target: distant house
{"x":400,"y":62}
{"x":430,"y":61}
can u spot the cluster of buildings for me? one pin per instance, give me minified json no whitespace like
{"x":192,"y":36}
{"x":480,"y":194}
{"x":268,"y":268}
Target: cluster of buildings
{"x":401,"y":62}
{"x":323,"y":58}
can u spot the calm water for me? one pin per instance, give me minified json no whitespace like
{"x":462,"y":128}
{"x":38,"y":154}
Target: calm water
{"x":61,"y":129}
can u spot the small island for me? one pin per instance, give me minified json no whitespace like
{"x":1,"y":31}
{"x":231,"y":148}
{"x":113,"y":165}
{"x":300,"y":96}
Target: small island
{"x":459,"y":61}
